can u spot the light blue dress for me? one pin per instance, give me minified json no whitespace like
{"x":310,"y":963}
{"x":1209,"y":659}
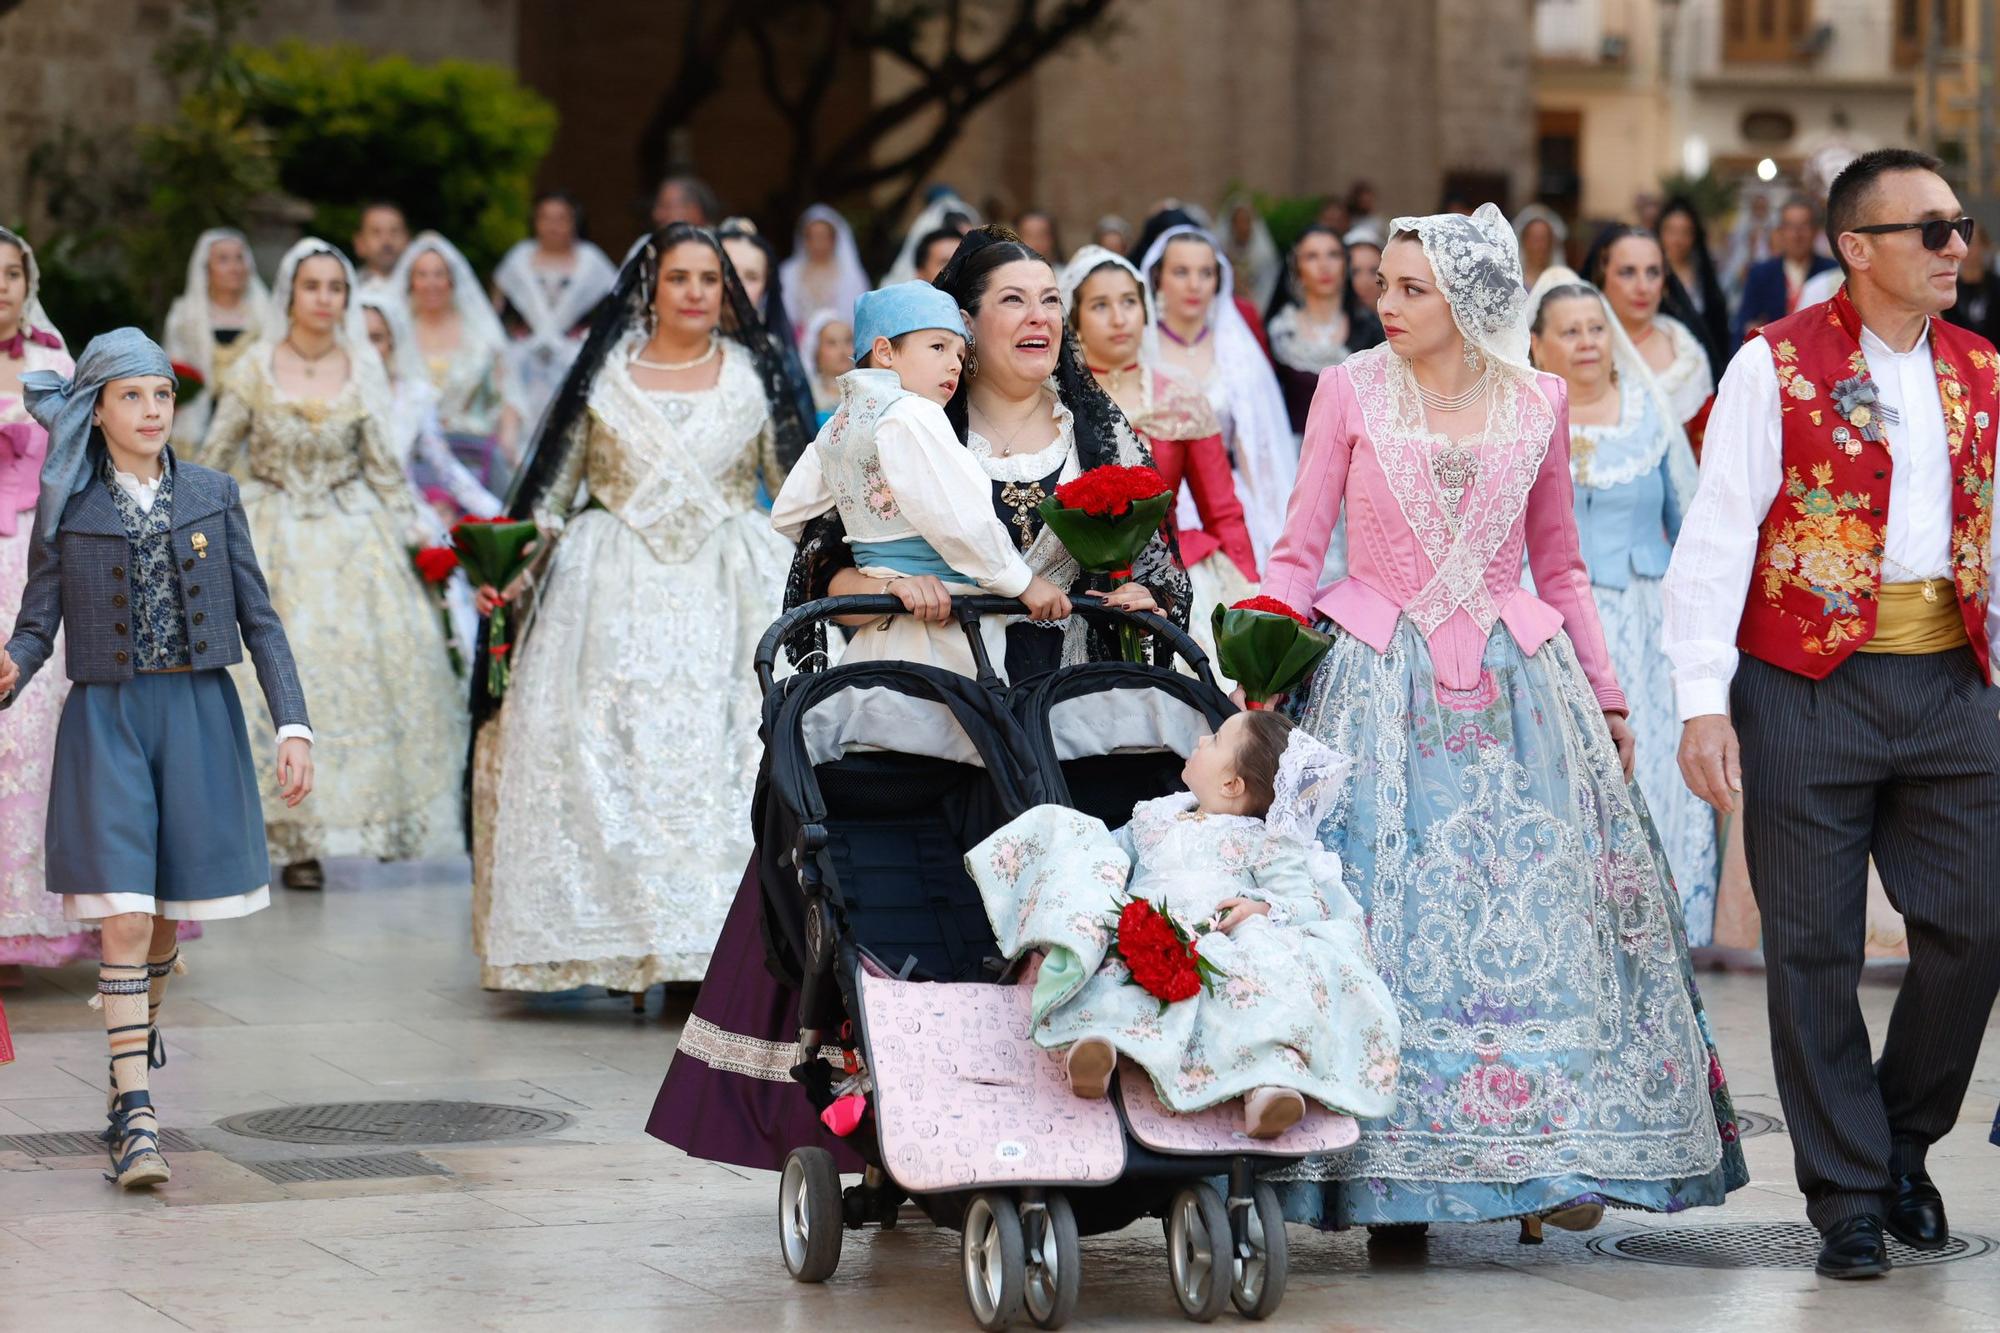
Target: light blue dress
{"x":1628,"y":518}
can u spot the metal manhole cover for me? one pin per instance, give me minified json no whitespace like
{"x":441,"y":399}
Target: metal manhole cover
{"x":1791,"y":1245}
{"x":376,"y":1166}
{"x":395,"y":1122}
{"x":86,"y":1143}
{"x":1749,"y":1124}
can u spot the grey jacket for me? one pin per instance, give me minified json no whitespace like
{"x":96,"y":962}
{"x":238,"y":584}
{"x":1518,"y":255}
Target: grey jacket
{"x":79,"y":581}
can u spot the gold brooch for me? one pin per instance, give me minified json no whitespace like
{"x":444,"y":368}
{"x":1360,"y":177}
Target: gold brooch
{"x":200,"y":543}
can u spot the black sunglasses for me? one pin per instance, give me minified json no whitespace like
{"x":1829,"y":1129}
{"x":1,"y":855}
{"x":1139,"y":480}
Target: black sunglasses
{"x":1937,"y":232}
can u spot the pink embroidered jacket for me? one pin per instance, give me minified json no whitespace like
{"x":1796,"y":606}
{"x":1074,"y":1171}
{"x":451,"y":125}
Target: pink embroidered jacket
{"x":1366,"y":446}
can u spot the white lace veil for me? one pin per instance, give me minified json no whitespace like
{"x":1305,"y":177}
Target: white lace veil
{"x":590,"y":282}
{"x":190,"y":329}
{"x":476,"y":318}
{"x":852,"y":280}
{"x":1477,"y":261}
{"x":1267,"y":456}
{"x":1634,"y":376}
{"x":1086,"y":262}
{"x":926,"y":222}
{"x":1311,"y":776}
{"x":32,"y":314}
{"x":350,"y":332}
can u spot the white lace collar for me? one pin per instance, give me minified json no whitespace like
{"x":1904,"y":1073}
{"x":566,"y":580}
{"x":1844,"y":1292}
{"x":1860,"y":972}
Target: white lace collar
{"x":1028,"y":467}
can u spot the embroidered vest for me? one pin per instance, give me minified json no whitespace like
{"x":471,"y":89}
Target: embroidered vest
{"x":159,"y":632}
{"x":1813,"y":591}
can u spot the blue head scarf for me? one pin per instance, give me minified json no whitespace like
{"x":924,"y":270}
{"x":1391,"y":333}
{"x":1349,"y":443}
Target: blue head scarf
{"x":64,"y":407}
{"x":891,"y":312}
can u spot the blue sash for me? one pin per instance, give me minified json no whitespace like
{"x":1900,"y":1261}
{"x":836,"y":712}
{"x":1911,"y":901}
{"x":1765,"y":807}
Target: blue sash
{"x":910,"y":555}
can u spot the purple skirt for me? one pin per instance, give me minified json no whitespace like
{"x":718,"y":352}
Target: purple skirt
{"x":729,"y":1095}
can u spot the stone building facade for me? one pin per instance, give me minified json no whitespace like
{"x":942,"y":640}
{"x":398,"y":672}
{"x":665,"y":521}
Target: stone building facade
{"x":1179,"y":97}
{"x":1187,"y":98}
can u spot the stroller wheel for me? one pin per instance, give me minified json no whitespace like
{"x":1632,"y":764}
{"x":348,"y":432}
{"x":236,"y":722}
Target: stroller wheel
{"x":1262,"y":1258}
{"x":1055,"y":1261}
{"x":809,"y":1215}
{"x":995,"y":1260}
{"x":1199,"y":1251}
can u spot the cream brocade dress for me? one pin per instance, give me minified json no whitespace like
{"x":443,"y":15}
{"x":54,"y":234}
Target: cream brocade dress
{"x":612,"y":792}
{"x":331,"y":518}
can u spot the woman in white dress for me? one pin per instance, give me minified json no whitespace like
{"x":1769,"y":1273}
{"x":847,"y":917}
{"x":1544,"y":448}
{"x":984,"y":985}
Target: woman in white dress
{"x":218,"y":316}
{"x":458,"y":344}
{"x":1201,"y":334}
{"x":824,"y":273}
{"x":1635,"y":477}
{"x":612,"y":784}
{"x":302,"y":418}
{"x":547,"y":287}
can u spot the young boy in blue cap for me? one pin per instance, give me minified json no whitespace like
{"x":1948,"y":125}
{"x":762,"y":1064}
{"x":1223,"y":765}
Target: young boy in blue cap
{"x":913,"y":500}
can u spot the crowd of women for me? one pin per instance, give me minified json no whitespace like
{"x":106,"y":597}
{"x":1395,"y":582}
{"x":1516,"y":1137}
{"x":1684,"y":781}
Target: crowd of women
{"x":1505,"y":477}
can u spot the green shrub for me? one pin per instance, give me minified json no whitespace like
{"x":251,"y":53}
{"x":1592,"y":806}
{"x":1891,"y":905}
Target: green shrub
{"x":456,"y":143}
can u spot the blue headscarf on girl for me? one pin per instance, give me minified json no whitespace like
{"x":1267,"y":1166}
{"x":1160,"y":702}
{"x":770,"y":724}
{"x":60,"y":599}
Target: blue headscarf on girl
{"x":64,"y":408}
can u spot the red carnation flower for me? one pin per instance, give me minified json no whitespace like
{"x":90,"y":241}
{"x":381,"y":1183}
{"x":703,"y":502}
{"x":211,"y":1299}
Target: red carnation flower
{"x":436,"y":563}
{"x":1268,"y":604}
{"x":1110,"y":492}
{"x":1162,"y":959}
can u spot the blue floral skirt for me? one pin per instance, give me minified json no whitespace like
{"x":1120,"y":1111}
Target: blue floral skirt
{"x":1518,"y":905}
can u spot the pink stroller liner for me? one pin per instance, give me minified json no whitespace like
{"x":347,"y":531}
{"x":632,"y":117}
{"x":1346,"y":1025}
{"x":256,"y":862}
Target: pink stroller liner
{"x":965,"y":1099}
{"x":1219,"y":1129}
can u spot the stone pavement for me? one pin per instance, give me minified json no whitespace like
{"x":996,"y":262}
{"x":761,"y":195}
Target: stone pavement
{"x":368,"y":992}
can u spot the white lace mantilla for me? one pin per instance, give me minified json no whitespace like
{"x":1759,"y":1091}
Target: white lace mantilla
{"x":1510,"y":446}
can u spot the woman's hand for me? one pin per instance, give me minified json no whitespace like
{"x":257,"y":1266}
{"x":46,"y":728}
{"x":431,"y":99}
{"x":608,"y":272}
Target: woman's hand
{"x":1235,"y":911}
{"x":1131,"y":597}
{"x":1621,"y":736}
{"x":486,"y":599}
{"x":1044,"y":600}
{"x":923,"y":596}
{"x":295,"y":769}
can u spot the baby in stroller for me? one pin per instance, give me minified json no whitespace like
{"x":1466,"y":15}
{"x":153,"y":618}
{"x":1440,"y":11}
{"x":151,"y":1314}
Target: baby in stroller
{"x":1287,"y":1005}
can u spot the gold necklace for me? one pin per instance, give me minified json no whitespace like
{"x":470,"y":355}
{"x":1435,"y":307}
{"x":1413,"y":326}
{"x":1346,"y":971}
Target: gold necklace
{"x":1007,"y":447}
{"x":307,"y":363}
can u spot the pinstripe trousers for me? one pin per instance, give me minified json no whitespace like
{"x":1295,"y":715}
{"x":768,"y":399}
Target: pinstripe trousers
{"x":1895,"y":757}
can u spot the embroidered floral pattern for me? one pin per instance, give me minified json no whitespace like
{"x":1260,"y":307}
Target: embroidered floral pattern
{"x":1826,"y":548}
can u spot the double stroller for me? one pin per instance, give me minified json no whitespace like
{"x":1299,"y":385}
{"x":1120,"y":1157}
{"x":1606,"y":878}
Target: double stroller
{"x":878,"y":777}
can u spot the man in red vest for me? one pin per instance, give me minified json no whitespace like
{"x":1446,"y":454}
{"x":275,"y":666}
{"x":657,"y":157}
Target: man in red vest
{"x":1827,"y":618}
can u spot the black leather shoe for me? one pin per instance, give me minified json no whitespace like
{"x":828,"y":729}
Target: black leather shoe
{"x":1916,"y":1215}
{"x":1853,"y":1248}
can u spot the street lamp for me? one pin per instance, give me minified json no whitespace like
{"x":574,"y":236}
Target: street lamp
{"x":1767,"y":171}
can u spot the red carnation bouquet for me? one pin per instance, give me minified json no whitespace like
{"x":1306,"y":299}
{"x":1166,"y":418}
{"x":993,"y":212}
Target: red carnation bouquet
{"x":188,"y":384}
{"x":1105,"y":518}
{"x":1266,"y":647}
{"x":493,"y":552}
{"x":1161,"y":954}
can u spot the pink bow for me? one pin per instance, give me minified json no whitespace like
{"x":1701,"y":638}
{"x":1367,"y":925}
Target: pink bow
{"x":17,"y":346}
{"x":22,"y":447}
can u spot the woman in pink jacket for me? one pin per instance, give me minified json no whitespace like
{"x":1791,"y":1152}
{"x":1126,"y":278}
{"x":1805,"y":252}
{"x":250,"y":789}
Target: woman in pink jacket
{"x":1556,"y":1057}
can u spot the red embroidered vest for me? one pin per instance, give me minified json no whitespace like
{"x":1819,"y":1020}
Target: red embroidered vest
{"x":1819,"y":550}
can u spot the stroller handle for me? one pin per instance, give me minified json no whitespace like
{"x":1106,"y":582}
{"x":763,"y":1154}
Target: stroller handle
{"x":967,"y":609}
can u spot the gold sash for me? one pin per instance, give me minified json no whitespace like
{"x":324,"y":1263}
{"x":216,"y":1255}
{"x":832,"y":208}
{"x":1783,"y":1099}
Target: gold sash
{"x":1907,"y":623}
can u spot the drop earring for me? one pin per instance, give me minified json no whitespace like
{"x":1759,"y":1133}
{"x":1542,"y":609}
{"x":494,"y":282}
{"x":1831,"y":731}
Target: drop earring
{"x":1471,"y":357}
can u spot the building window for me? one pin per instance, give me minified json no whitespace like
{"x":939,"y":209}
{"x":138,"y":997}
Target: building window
{"x":1763,"y":31}
{"x":1914,"y":21}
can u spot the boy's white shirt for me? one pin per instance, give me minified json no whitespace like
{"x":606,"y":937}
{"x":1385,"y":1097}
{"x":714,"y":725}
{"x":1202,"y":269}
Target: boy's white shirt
{"x":941,"y":493}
